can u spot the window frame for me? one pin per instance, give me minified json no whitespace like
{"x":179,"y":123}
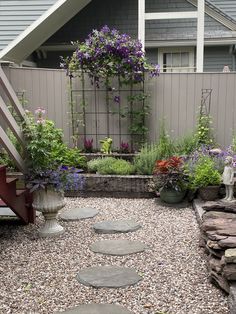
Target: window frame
{"x":190,"y":50}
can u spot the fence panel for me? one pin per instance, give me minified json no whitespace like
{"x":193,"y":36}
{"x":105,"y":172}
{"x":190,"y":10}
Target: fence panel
{"x":173,"y":96}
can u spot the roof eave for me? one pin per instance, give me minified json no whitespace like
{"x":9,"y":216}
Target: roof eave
{"x":39,"y":31}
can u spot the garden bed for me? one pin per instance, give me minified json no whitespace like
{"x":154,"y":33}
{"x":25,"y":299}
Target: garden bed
{"x":96,"y":185}
{"x":91,"y":156}
{"x":130,"y":186}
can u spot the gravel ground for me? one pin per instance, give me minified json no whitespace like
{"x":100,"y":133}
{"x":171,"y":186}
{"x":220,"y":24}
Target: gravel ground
{"x":39,"y":275}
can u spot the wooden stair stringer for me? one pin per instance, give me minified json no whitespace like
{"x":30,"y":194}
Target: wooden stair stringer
{"x":19,"y":201}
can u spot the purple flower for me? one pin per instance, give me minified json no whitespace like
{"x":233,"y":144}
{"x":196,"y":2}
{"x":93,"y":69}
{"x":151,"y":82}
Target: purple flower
{"x":117,"y":99}
{"x":88,"y":145}
{"x":124,"y":147}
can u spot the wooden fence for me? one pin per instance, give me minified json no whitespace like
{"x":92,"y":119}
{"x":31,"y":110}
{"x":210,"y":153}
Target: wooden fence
{"x":175,"y":97}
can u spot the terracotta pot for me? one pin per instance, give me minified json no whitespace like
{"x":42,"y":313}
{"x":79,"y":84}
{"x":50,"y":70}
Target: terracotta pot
{"x":49,"y":202}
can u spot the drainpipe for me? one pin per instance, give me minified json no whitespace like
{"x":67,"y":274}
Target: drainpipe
{"x":232,"y":51}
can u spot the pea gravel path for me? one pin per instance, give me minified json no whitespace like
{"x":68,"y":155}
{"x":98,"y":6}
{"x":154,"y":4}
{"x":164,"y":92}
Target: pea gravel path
{"x":39,"y":275}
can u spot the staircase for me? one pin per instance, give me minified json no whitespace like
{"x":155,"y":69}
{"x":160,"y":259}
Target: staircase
{"x":19,"y":201}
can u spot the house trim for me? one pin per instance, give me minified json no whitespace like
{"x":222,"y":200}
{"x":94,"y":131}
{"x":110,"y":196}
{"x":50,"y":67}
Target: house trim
{"x":217,"y":15}
{"x":213,"y":42}
{"x":200,"y":16}
{"x":40,"y":30}
{"x":171,"y":15}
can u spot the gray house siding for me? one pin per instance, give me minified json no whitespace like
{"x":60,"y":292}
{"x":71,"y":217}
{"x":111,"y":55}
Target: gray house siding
{"x":228,"y":6}
{"x":16,"y":16}
{"x":217,"y":57}
{"x":123,"y":15}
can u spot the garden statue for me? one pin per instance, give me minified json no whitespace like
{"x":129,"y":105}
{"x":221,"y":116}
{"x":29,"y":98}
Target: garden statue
{"x":106,"y":145}
{"x":228,"y":179}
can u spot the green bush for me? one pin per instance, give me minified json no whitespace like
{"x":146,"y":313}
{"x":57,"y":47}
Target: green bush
{"x":115,"y":166}
{"x":110,"y":165}
{"x":185,"y":145}
{"x":204,"y":173}
{"x":145,"y":161}
{"x":94,"y":164}
{"x":5,"y":159}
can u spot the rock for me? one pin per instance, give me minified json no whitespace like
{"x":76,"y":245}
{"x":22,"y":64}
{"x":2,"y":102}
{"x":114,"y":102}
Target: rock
{"x":215,"y":264}
{"x":230,"y":256}
{"x":117,"y":247}
{"x":219,"y":281}
{"x":118,"y":226}
{"x":219,"y":223}
{"x":228,"y":242}
{"x":97,"y":309}
{"x":215,"y":151}
{"x":229,"y":271}
{"x":108,"y":276}
{"x":211,"y":205}
{"x":216,"y":253}
{"x":232,"y":298}
{"x":218,"y":215}
{"x":215,"y":237}
{"x":213,"y":245}
{"x":78,"y":213}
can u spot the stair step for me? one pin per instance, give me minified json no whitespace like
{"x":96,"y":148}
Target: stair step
{"x":11,"y":182}
{"x":20,"y":192}
{"x":2,"y":204}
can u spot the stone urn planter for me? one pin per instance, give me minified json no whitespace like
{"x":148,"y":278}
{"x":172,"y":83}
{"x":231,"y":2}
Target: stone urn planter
{"x":209,"y":193}
{"x":171,"y":196}
{"x":49,"y":202}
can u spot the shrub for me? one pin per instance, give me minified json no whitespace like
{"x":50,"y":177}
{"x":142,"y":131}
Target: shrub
{"x":145,"y":161}
{"x":115,"y":166}
{"x":110,"y":165}
{"x":94,"y":163}
{"x":204,"y":173}
{"x":186,"y":145}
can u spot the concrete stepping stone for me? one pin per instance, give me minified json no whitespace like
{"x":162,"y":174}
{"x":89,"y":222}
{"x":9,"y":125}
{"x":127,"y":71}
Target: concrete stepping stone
{"x":117,"y":247}
{"x":116,"y":226}
{"x":98,"y":309}
{"x":108,"y":276}
{"x":78,"y":213}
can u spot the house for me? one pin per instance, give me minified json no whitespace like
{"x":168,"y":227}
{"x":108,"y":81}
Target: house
{"x":37,"y":33}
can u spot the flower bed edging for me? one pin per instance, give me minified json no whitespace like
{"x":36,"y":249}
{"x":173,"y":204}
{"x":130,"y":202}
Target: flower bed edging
{"x":130,"y":186}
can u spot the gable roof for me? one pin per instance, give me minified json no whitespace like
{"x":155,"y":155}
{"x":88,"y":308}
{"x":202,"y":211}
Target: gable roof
{"x":227,"y":6}
{"x":56,"y":14}
{"x":16,"y":16}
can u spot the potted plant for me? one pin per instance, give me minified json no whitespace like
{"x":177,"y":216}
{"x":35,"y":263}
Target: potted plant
{"x":206,"y":178}
{"x":170,"y":179}
{"x":47,"y":177}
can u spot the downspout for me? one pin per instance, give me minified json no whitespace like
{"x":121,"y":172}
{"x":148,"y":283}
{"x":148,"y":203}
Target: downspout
{"x":232,"y":51}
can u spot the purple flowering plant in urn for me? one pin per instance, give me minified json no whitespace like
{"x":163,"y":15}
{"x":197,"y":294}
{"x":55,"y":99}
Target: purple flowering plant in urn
{"x":46,"y":175}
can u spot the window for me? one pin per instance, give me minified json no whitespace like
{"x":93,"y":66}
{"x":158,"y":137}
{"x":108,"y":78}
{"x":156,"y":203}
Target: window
{"x":176,"y":59}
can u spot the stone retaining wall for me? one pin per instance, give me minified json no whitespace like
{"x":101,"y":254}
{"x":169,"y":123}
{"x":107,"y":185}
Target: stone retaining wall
{"x":218,"y":236}
{"x":132,"y":186}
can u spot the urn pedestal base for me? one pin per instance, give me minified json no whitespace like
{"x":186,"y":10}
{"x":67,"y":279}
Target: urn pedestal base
{"x":49,"y":202}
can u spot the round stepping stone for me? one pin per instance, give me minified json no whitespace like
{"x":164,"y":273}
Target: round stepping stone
{"x":117,"y":247}
{"x":98,"y":309}
{"x":118,"y":226}
{"x":108,"y":276}
{"x":79,"y":213}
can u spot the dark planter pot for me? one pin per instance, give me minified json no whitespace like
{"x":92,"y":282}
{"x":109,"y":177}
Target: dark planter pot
{"x":209,"y":193}
{"x":172,"y":196}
